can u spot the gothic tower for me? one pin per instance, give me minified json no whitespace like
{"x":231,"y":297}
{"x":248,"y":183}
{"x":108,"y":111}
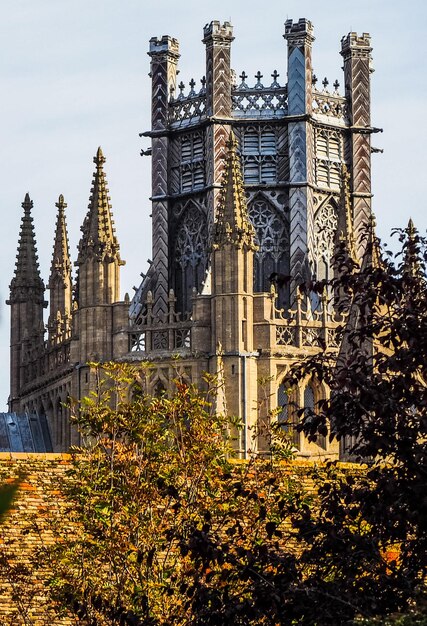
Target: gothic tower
{"x":294,"y":139}
{"x":231,"y":251}
{"x":27,"y":303}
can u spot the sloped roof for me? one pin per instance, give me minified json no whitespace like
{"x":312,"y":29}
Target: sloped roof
{"x":24,"y":433}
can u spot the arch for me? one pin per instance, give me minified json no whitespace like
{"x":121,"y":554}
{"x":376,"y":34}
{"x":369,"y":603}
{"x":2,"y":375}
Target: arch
{"x":325,"y":227}
{"x":272,"y":239}
{"x":312,"y":395}
{"x":287,"y":415}
{"x":190,"y":254}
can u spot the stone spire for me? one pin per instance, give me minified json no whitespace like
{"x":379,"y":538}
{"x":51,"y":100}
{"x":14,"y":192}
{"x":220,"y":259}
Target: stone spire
{"x":27,"y":283}
{"x":60,"y":279}
{"x":98,"y":237}
{"x":98,"y":260}
{"x":412,"y":250}
{"x":61,"y":264}
{"x":233,"y":225}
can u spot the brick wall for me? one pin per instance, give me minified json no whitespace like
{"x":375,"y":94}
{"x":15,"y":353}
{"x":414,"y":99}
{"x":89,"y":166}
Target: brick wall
{"x":23,"y":599}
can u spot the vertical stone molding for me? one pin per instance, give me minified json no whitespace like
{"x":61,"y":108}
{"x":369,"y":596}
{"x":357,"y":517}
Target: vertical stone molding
{"x":164,"y":55}
{"x":300,"y":38}
{"x":356,"y":52}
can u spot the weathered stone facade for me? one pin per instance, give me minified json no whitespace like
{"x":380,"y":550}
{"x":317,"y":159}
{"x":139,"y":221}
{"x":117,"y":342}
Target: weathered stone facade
{"x":252,"y":189}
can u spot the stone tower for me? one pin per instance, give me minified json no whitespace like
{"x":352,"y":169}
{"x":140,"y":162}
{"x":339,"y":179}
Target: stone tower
{"x":294,"y":141}
{"x":253,"y":186}
{"x":230,"y":249}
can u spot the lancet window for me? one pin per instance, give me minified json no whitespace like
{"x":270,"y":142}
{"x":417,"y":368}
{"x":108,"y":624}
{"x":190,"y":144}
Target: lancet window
{"x":259,"y":154}
{"x":325,"y":227}
{"x":287,"y":416}
{"x":190,"y":255}
{"x":329,"y":156}
{"x":310,"y":408}
{"x":272,"y":239}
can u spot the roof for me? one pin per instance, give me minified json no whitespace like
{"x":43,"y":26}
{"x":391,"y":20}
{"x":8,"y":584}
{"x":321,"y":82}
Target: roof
{"x":24,"y":433}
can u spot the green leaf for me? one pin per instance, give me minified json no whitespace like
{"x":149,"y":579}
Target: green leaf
{"x":7,"y":494}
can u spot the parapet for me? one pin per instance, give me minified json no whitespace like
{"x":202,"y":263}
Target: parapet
{"x":165,"y":44}
{"x":296,"y":29}
{"x":216,"y":30}
{"x":353,"y":42}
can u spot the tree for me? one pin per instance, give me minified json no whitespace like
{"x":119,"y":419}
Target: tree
{"x":165,"y":529}
{"x":369,"y":534}
{"x":160,"y":524}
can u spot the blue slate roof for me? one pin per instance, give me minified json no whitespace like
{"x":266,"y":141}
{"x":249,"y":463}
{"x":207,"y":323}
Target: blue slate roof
{"x":24,"y":433}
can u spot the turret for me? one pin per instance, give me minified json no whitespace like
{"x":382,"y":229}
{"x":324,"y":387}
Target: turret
{"x":60,"y":280}
{"x":164,"y":55}
{"x":232,"y":294}
{"x":98,"y":260}
{"x":356,"y":52}
{"x":99,"y":319}
{"x":300,"y":39}
{"x":27,"y":302}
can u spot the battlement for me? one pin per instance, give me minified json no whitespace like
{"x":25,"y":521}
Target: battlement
{"x":165,"y":44}
{"x":217,"y":30}
{"x":302,"y":27}
{"x":354,"y":41}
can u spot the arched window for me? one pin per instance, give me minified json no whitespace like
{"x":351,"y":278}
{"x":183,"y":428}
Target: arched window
{"x":286,"y":417}
{"x":190,"y":256}
{"x":272,"y":239}
{"x":310,"y":407}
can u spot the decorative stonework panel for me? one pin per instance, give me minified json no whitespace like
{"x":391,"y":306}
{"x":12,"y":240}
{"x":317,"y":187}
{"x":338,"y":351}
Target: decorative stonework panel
{"x":272,"y":239}
{"x":325,"y":227}
{"x":190,"y":258}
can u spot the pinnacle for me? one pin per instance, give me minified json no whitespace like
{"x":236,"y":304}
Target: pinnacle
{"x":233,"y":224}
{"x":27,"y":273}
{"x":61,"y":255}
{"x":98,"y":232}
{"x":410,"y":229}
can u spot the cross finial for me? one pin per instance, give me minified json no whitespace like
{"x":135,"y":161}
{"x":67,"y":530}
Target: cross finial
{"x":314,"y":79}
{"x":192,"y":84}
{"x":275,"y":75}
{"x":325,"y":83}
{"x":336,"y":85}
{"x":258,"y":76}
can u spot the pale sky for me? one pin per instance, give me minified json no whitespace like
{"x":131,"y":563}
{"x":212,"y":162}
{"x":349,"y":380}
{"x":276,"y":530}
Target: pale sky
{"x":74,"y":75}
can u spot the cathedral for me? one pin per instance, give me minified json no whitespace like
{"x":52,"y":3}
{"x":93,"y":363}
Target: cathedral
{"x":254,"y":184}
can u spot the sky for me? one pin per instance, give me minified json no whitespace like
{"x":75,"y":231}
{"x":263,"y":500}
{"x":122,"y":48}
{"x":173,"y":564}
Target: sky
{"x":74,"y":76}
